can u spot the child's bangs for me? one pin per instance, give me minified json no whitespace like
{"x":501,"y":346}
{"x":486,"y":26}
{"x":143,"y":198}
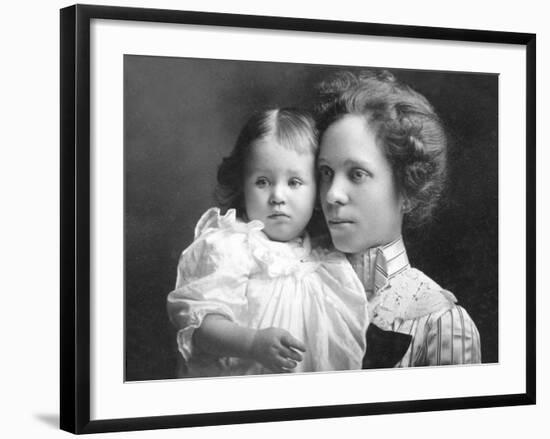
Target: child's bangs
{"x":297,"y":133}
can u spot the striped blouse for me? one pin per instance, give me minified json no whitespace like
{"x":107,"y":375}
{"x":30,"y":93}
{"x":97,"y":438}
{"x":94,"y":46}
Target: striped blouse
{"x":403,"y":299}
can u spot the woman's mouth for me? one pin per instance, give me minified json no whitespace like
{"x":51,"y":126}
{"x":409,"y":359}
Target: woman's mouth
{"x":339,"y":222}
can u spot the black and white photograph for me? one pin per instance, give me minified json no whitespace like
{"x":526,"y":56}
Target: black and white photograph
{"x":299,"y":218}
{"x":274,"y":218}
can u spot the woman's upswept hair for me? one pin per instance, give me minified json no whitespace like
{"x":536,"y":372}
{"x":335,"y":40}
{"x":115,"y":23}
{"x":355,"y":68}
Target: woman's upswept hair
{"x":408,"y":129}
{"x":292,"y":128}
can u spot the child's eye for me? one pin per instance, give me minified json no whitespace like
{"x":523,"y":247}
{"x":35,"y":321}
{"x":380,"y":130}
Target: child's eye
{"x":358,"y":175}
{"x":325,"y":173}
{"x":295,"y":182}
{"x":261,"y":182}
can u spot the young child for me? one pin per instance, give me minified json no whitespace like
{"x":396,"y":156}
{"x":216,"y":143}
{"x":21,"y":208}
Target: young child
{"x":252,"y":296}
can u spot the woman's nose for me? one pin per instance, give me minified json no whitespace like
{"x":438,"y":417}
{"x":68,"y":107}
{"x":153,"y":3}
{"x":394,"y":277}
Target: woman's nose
{"x":336,"y":193}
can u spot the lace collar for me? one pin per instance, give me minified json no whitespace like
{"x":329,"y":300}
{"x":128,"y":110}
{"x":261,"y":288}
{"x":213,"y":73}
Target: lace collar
{"x":379,"y":264}
{"x":396,"y":291}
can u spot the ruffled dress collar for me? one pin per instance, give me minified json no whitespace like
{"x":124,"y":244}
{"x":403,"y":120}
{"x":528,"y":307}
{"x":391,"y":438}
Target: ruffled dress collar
{"x":275,"y":258}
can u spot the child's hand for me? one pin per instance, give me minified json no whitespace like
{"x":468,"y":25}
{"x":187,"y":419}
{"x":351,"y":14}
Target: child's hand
{"x":276,"y":349}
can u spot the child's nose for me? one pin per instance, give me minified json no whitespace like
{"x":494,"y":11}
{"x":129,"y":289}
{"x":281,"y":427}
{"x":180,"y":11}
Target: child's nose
{"x":277,"y":195}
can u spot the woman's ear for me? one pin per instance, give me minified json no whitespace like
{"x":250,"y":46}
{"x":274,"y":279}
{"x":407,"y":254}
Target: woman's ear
{"x":406,"y":205}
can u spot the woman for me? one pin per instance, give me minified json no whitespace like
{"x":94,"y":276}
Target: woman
{"x":382,"y":162}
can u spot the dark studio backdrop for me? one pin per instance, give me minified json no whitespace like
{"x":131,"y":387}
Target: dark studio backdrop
{"x":181,"y":116}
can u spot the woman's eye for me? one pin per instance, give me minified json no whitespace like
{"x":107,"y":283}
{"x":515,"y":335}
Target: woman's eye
{"x":325,"y":173}
{"x":358,"y":175}
{"x":261,"y":182}
{"x":295,"y":182}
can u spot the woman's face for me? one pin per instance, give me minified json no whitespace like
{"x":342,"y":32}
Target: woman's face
{"x":360,"y":200}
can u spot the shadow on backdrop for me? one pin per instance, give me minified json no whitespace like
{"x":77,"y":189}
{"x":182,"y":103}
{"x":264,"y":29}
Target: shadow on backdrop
{"x":51,"y":420}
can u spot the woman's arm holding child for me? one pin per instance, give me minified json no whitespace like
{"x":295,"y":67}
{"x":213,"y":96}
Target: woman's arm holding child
{"x":274,"y":348}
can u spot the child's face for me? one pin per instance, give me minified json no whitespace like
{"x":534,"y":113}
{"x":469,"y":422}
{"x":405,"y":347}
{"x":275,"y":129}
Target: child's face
{"x":279,"y":188}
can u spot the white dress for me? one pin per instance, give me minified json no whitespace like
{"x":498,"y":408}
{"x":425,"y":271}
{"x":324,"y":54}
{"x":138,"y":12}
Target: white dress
{"x":234,"y":270}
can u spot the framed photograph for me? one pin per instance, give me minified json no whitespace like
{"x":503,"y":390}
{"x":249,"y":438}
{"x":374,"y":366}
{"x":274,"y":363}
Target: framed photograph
{"x":251,"y":207}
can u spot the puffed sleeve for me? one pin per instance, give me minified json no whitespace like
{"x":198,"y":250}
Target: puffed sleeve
{"x":211,"y":279}
{"x":452,"y":338}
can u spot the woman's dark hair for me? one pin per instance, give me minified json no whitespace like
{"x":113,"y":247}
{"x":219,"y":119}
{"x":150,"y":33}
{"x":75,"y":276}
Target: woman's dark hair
{"x":408,"y":129}
{"x":290,"y":127}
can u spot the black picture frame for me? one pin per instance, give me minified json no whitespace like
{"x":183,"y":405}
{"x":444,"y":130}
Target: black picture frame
{"x":75,"y":217}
